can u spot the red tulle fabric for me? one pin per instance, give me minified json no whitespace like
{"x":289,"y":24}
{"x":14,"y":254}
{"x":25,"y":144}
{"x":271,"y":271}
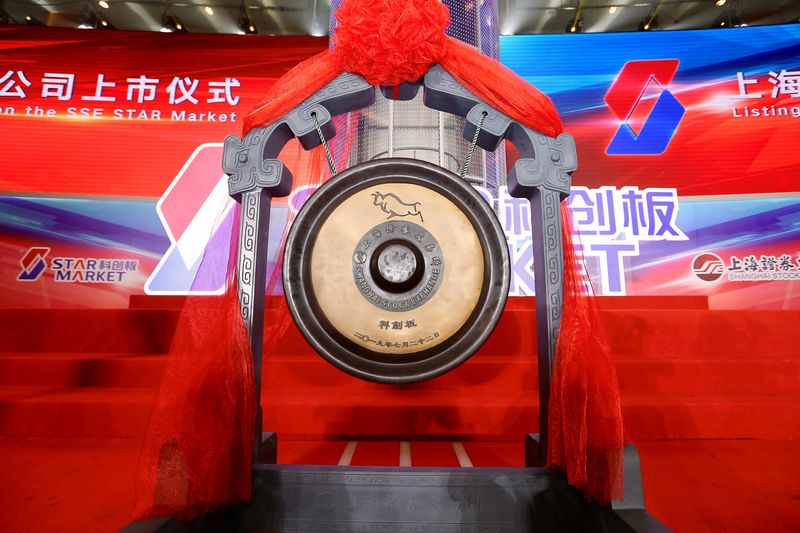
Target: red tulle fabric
{"x":585,"y":416}
{"x":394,"y":41}
{"x":501,"y":88}
{"x":197,"y":451}
{"x":292,"y":88}
{"x":389,"y":42}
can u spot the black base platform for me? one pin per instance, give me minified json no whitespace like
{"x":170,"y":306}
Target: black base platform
{"x":345,"y":499}
{"x":412,"y":499}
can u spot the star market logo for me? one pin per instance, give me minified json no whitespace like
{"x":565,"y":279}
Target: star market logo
{"x":33,"y":264}
{"x":650,"y":114}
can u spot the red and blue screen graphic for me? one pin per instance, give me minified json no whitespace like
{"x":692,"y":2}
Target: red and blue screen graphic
{"x":687,"y":180}
{"x":33,"y":263}
{"x":630,"y":92}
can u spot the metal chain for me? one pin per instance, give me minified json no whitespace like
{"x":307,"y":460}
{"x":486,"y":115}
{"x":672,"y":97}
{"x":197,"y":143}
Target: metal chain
{"x":472,"y":146}
{"x":328,"y":155}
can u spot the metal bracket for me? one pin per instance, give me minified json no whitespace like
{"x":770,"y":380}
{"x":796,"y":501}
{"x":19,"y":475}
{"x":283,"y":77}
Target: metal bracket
{"x":256,"y":176}
{"x":543,"y":176}
{"x":404,"y":91}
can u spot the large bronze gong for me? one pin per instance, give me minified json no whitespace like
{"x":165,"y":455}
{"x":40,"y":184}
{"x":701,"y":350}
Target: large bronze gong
{"x":396,"y":270}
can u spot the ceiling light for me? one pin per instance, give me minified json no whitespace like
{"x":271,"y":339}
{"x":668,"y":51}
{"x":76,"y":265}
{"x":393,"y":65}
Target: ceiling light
{"x":246,"y":24}
{"x":612,"y":9}
{"x":208,"y":10}
{"x":103,"y":4}
{"x":170,"y":22}
{"x":720,"y":3}
{"x":651,"y":22}
{"x":575,"y":25}
{"x":88,"y":20}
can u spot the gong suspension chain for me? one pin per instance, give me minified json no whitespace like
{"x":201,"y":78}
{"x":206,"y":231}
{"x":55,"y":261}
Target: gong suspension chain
{"x":468,"y":161}
{"x":328,"y":155}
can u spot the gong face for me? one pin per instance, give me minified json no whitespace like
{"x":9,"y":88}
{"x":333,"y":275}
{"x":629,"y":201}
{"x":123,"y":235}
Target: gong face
{"x":396,"y":270}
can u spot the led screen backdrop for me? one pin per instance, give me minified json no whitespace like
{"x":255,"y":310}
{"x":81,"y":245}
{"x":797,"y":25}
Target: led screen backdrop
{"x":130,"y":117}
{"x":112,"y":186}
{"x":687,"y":144}
{"x":118,"y":113}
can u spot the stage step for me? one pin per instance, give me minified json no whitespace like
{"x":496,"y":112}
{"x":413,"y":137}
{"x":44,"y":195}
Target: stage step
{"x":394,"y":452}
{"x":68,"y":370}
{"x":660,"y":333}
{"x":716,"y":334}
{"x":87,"y":412}
{"x":86,"y":330}
{"x":684,"y":372}
{"x":702,"y":416}
{"x":654,"y":416}
{"x":702,"y":376}
{"x":284,"y":374}
{"x":123,"y":412}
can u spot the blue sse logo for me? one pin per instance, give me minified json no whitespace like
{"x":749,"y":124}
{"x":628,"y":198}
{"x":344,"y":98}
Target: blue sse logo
{"x":636,"y":86}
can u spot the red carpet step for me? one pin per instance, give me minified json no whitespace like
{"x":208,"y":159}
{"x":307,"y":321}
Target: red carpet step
{"x":684,"y":372}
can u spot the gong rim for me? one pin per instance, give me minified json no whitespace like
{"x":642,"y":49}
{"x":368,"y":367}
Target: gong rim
{"x":344,"y":353}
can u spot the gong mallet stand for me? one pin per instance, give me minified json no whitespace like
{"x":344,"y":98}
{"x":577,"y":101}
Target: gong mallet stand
{"x":317,"y":498}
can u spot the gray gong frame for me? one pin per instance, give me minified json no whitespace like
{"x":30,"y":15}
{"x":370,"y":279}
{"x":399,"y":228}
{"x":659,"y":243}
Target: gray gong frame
{"x":542,"y":176}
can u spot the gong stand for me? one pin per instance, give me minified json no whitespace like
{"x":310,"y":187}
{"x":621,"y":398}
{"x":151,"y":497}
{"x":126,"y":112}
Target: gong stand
{"x":542,"y":176}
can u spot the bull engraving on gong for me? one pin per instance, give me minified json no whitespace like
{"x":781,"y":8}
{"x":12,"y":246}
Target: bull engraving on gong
{"x":392,"y":205}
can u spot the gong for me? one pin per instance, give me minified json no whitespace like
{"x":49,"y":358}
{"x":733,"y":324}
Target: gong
{"x":396,"y":270}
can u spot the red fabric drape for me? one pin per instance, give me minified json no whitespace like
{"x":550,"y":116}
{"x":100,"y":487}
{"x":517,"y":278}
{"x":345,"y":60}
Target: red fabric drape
{"x":197,"y":449}
{"x":585,"y":417}
{"x":487,"y":78}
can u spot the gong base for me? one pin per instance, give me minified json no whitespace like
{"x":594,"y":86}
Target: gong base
{"x":405,"y":499}
{"x":385,"y":499}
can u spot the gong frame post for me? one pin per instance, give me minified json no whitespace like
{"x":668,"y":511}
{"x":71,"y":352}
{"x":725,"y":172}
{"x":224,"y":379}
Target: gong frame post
{"x":543,"y":177}
{"x":256,"y":176}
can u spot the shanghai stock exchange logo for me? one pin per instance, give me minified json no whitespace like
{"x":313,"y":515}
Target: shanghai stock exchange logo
{"x":33,"y":264}
{"x":648,"y":112}
{"x":708,"y":266}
